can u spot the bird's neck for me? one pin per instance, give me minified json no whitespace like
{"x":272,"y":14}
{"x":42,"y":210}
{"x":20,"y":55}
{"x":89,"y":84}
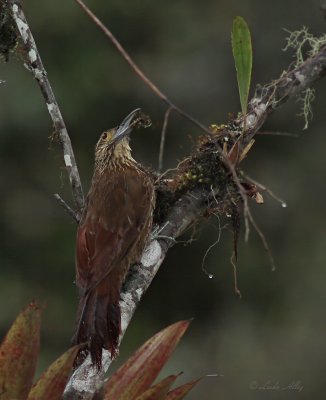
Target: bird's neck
{"x":115,"y":158}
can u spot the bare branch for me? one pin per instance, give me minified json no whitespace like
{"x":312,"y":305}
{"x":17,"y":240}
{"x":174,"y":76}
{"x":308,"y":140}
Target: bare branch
{"x":68,"y":209}
{"x":35,"y":66}
{"x":263,"y":239}
{"x":162,"y":143}
{"x":271,"y":133}
{"x":137,"y":70}
{"x":266,"y":189}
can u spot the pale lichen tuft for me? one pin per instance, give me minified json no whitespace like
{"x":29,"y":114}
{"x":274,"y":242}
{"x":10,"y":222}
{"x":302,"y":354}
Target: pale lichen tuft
{"x":304,"y":44}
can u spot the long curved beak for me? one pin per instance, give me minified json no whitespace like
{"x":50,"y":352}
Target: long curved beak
{"x":126,"y":125}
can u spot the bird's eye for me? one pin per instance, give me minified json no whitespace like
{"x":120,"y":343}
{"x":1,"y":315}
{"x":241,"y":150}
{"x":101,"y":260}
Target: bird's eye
{"x":104,"y":135}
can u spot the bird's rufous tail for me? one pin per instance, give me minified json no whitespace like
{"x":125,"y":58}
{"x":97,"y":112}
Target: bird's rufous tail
{"x":98,"y":324}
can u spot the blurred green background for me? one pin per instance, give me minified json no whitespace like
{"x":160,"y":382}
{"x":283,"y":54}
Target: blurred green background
{"x":276,"y":333}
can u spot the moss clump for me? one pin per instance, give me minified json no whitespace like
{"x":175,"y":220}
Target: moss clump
{"x":204,"y":169}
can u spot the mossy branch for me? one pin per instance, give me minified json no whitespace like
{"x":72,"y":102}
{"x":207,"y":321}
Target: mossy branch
{"x":191,"y":192}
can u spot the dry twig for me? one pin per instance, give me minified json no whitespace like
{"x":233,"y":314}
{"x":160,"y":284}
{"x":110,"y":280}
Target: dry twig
{"x":65,"y":206}
{"x":162,"y":143}
{"x":137,"y":70}
{"x":35,"y":66}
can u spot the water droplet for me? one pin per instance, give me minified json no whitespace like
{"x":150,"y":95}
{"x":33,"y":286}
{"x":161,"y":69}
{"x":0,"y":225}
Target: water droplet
{"x":284,"y":205}
{"x":210,"y":276}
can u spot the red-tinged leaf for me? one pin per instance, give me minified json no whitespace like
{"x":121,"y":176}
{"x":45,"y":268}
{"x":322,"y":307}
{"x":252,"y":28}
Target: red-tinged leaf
{"x":233,"y":155}
{"x":158,"y":391}
{"x":52,"y":382}
{"x":181,"y":391}
{"x":138,"y":373}
{"x":18,"y":354}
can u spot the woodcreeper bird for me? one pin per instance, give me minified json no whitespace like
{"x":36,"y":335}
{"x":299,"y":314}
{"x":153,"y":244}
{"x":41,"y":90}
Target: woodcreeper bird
{"x":111,"y":236}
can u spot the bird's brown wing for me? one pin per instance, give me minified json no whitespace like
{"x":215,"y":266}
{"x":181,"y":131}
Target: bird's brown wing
{"x":115,"y":220}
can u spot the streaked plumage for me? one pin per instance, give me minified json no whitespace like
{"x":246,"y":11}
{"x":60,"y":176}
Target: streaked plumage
{"x":111,"y":236}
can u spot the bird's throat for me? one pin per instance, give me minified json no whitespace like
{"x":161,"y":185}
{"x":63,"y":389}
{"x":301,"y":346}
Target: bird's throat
{"x":115,"y":156}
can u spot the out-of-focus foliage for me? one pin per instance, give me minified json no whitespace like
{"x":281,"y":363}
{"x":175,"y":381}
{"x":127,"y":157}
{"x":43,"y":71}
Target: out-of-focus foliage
{"x":18,"y":358}
{"x":276,"y":332}
{"x":20,"y":348}
{"x":52,"y":382}
{"x":134,"y":378}
{"x":18,"y":354}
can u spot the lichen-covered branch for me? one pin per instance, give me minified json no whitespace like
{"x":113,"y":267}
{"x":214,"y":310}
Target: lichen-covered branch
{"x":35,"y":66}
{"x":193,"y":204}
{"x":271,"y":96}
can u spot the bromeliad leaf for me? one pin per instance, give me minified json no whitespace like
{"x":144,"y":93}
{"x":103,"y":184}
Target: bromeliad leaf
{"x":242,"y":54}
{"x":158,"y":391}
{"x":180,"y":392}
{"x":52,"y":382}
{"x":139,"y":372}
{"x":18,"y":354}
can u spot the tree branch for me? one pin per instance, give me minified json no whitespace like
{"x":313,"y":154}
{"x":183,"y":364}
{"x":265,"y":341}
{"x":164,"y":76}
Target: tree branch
{"x":271,"y":96}
{"x":65,"y":206}
{"x":189,"y":208}
{"x":35,"y":66}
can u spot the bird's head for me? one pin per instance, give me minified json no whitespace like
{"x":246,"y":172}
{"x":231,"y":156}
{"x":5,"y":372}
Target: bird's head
{"x":114,"y":143}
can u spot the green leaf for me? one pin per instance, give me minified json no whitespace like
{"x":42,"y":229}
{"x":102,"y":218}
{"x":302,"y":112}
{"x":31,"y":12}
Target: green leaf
{"x":158,"y":391}
{"x":52,"y":382}
{"x":242,"y":53}
{"x":18,"y":354}
{"x":138,"y":373}
{"x":180,"y":392}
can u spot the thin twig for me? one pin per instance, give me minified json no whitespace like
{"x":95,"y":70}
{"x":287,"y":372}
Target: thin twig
{"x":246,"y":218}
{"x":69,"y":210}
{"x":35,"y":66}
{"x":136,"y":68}
{"x":265,"y":189}
{"x":263,"y":239}
{"x":244,"y":198}
{"x":162,"y":143}
{"x":211,"y":246}
{"x":271,"y":133}
{"x":160,"y":177}
{"x":235,"y":276}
